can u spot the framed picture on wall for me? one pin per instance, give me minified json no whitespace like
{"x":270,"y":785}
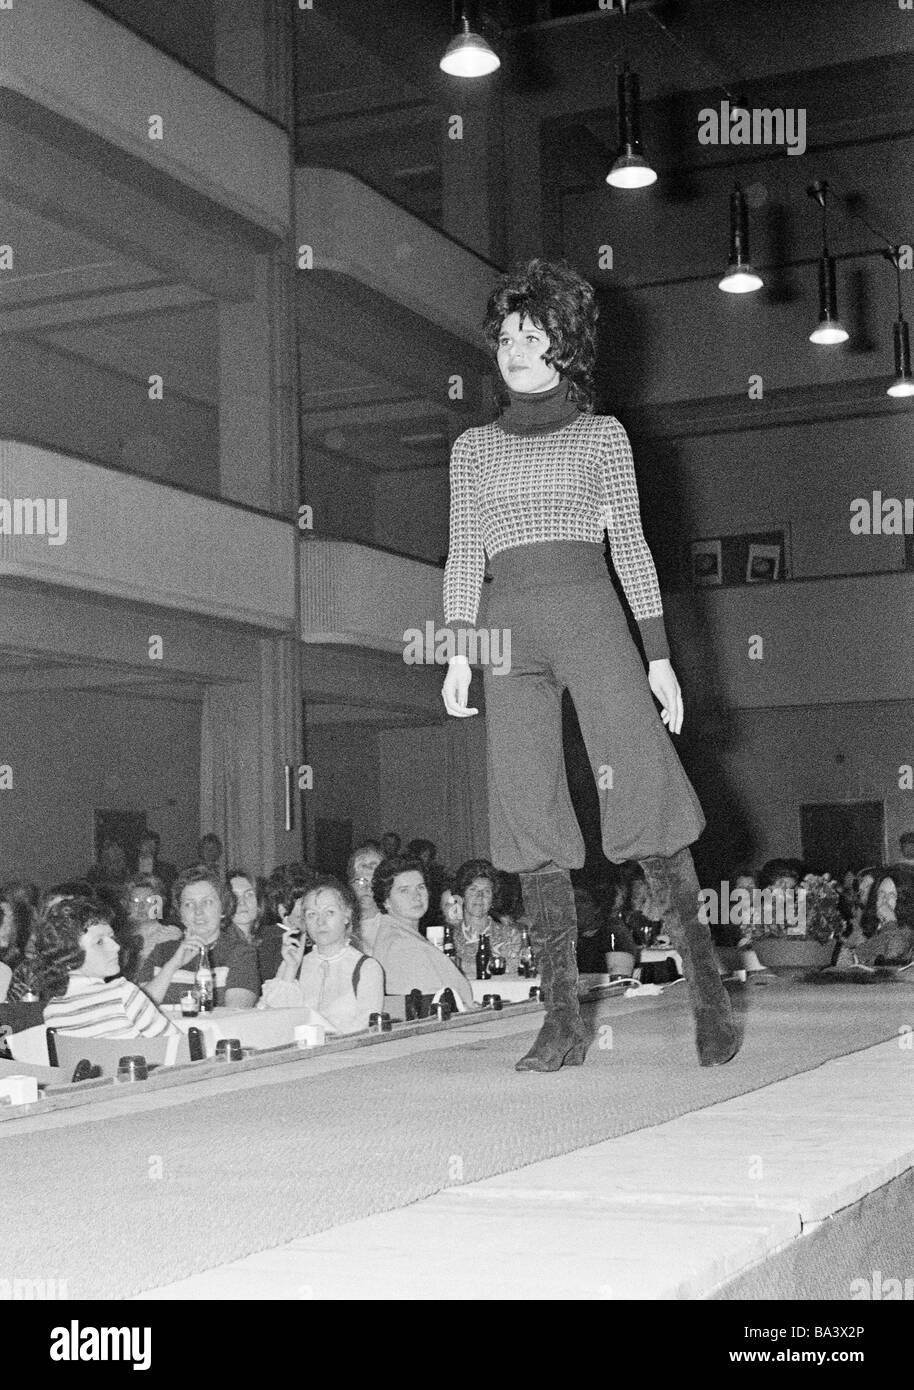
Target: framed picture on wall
{"x":707,"y":562}
{"x":763,"y":563}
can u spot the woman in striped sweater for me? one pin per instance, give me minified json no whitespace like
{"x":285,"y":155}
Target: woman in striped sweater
{"x":536,"y":491}
{"x":80,"y":964}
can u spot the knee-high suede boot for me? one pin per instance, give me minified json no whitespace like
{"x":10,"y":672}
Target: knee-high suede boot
{"x":675,"y":889}
{"x":549,"y":901}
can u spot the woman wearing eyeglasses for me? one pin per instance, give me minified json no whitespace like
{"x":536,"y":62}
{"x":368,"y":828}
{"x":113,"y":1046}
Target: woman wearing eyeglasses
{"x":144,"y":899}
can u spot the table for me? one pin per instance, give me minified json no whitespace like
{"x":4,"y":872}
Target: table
{"x":257,"y":1028}
{"x":514,"y":989}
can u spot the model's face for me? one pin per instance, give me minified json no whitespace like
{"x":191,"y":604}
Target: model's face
{"x":246,"y":898}
{"x":408,"y":896}
{"x":101,"y":952}
{"x":521,"y":349}
{"x":478,"y":897}
{"x":201,"y":911}
{"x":327,"y":919}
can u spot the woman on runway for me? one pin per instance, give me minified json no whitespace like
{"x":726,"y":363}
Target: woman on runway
{"x":535,"y":491}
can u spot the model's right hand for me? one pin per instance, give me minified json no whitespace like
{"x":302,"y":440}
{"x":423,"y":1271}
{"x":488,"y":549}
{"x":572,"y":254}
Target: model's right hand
{"x":456,"y":688}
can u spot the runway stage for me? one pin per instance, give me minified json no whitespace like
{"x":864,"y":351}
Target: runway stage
{"x":427,"y":1168}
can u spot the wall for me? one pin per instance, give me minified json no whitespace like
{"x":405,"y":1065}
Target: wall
{"x":755,"y":770}
{"x":75,"y":751}
{"x":345,"y":762}
{"x":422,"y":781}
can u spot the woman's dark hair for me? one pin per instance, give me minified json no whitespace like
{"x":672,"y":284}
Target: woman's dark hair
{"x":346,"y":895}
{"x":59,"y":931}
{"x":388,"y":869}
{"x":200,"y":873}
{"x":285,"y":885}
{"x":561,"y":303}
{"x":258,"y":886}
{"x":903,"y":878}
{"x":774,"y":869}
{"x":473,"y":869}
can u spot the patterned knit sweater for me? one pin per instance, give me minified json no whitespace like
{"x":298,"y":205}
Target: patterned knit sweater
{"x":570,"y":485}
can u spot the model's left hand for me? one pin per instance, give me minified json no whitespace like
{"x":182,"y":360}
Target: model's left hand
{"x":662,"y":679}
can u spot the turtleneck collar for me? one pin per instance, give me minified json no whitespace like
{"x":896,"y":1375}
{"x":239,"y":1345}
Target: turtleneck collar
{"x":538,"y":412}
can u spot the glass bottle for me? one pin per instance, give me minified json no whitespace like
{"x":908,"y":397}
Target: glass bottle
{"x":483,"y":957}
{"x":526,"y":961}
{"x":205,"y":981}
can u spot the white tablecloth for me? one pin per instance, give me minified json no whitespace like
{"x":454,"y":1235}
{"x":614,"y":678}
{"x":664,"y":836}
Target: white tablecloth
{"x":256,"y":1028}
{"x":512,"y":988}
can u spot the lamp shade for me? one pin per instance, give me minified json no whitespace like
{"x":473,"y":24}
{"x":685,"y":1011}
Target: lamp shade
{"x":903,"y":385}
{"x":829,"y":329}
{"x":630,"y":169}
{"x":468,"y":54}
{"x":740,"y":277}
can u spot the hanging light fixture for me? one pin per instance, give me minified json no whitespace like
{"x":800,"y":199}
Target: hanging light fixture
{"x":829,"y":329}
{"x":740,"y":277}
{"x":468,"y":54}
{"x":631,"y":169}
{"x":903,"y":385}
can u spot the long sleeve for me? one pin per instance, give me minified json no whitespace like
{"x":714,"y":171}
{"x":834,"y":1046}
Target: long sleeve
{"x":465,"y":566}
{"x":630,"y":554}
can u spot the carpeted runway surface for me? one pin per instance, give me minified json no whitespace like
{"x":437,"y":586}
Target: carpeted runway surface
{"x":118,"y":1205}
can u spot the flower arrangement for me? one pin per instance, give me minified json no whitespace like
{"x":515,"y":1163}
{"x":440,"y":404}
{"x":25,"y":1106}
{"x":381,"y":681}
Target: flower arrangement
{"x":811,"y":911}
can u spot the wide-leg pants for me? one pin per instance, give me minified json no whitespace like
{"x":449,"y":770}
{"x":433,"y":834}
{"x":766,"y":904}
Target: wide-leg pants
{"x":556,"y":603}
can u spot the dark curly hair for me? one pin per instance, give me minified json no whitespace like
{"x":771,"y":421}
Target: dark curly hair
{"x":285,"y":885}
{"x":346,"y":896}
{"x":388,"y":869}
{"x":562,"y":304}
{"x":199,"y":873}
{"x":59,"y":930}
{"x":903,"y":878}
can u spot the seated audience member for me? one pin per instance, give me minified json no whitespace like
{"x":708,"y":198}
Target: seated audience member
{"x":209,"y":853}
{"x":148,"y":862}
{"x":409,"y":961}
{"x":781,"y":878}
{"x":88,"y":995}
{"x":145,"y":929}
{"x":601,"y":926}
{"x":906,"y":847}
{"x":17,"y":923}
{"x":390,"y":844}
{"x":111,"y":866}
{"x":337,"y":978}
{"x":205,"y":906}
{"x":29,"y":975}
{"x":476,"y":884}
{"x":887,"y":922}
{"x":451,"y":909}
{"x":363,"y":861}
{"x":283,"y":892}
{"x":425,"y":851}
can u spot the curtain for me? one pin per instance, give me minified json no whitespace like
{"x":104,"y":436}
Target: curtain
{"x":222,"y":763}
